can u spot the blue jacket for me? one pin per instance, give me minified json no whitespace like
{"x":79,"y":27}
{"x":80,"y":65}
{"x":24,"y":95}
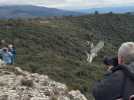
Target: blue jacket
{"x":7,"y":57}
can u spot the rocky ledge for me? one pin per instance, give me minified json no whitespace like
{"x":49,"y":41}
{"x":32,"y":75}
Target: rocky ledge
{"x":17,"y":84}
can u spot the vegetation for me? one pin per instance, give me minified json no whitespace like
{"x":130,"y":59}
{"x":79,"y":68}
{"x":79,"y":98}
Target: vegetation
{"x":56,"y":46}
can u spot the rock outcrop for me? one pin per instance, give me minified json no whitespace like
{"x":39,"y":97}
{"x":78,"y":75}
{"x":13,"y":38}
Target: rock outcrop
{"x":16,"y":84}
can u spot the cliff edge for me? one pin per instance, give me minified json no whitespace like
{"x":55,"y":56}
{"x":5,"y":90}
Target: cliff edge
{"x":17,"y":84}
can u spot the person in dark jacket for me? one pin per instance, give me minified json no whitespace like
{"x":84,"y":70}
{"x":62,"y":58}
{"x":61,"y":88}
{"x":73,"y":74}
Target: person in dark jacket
{"x":119,"y":83}
{"x":12,"y":49}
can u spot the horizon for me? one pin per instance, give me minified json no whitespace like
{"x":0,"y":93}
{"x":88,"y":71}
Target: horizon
{"x":70,"y":4}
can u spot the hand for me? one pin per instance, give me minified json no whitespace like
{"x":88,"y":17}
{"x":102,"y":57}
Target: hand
{"x":109,"y":68}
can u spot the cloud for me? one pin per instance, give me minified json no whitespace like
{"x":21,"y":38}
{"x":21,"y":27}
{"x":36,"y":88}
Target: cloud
{"x":78,"y":4}
{"x":69,"y":4}
{"x":36,"y":2}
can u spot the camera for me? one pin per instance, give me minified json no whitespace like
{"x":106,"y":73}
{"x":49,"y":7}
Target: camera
{"x":111,"y":61}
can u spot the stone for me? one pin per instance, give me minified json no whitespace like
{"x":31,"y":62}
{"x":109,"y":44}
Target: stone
{"x":76,"y":95}
{"x":22,"y":85}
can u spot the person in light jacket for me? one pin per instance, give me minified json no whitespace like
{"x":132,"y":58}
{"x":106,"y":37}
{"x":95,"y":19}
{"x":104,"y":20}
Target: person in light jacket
{"x":6,"y":56}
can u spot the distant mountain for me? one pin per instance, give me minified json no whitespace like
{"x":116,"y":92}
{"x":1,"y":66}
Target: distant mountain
{"x":32,"y":11}
{"x":109,"y":9}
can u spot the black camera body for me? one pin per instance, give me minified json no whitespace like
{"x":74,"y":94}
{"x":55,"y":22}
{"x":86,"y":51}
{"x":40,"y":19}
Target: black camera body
{"x":111,"y":61}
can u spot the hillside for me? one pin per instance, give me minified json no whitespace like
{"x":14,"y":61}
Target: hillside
{"x":28,"y":11}
{"x":56,"y":46}
{"x":17,"y":84}
{"x":120,"y":9}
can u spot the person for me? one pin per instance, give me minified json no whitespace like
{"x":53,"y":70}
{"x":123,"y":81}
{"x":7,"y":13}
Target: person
{"x":110,"y":62}
{"x":1,"y":53}
{"x":2,"y":45}
{"x":12,"y":49}
{"x":119,"y":84}
{"x":6,"y":56}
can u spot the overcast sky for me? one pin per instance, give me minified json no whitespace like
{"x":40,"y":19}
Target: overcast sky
{"x":70,"y":4}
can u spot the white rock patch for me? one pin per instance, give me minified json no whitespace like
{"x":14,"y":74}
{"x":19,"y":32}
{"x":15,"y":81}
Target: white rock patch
{"x":16,"y":84}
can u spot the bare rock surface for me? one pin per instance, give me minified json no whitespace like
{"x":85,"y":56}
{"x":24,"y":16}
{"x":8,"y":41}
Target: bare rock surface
{"x":17,"y":84}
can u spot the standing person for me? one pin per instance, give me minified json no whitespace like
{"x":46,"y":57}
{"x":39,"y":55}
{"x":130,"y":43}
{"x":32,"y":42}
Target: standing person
{"x":119,"y":84}
{"x":1,"y":53}
{"x":12,"y":49}
{"x":2,"y":45}
{"x":7,"y":56}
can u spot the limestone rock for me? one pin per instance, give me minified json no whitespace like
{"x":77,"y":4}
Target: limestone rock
{"x":16,"y":84}
{"x":76,"y":95}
